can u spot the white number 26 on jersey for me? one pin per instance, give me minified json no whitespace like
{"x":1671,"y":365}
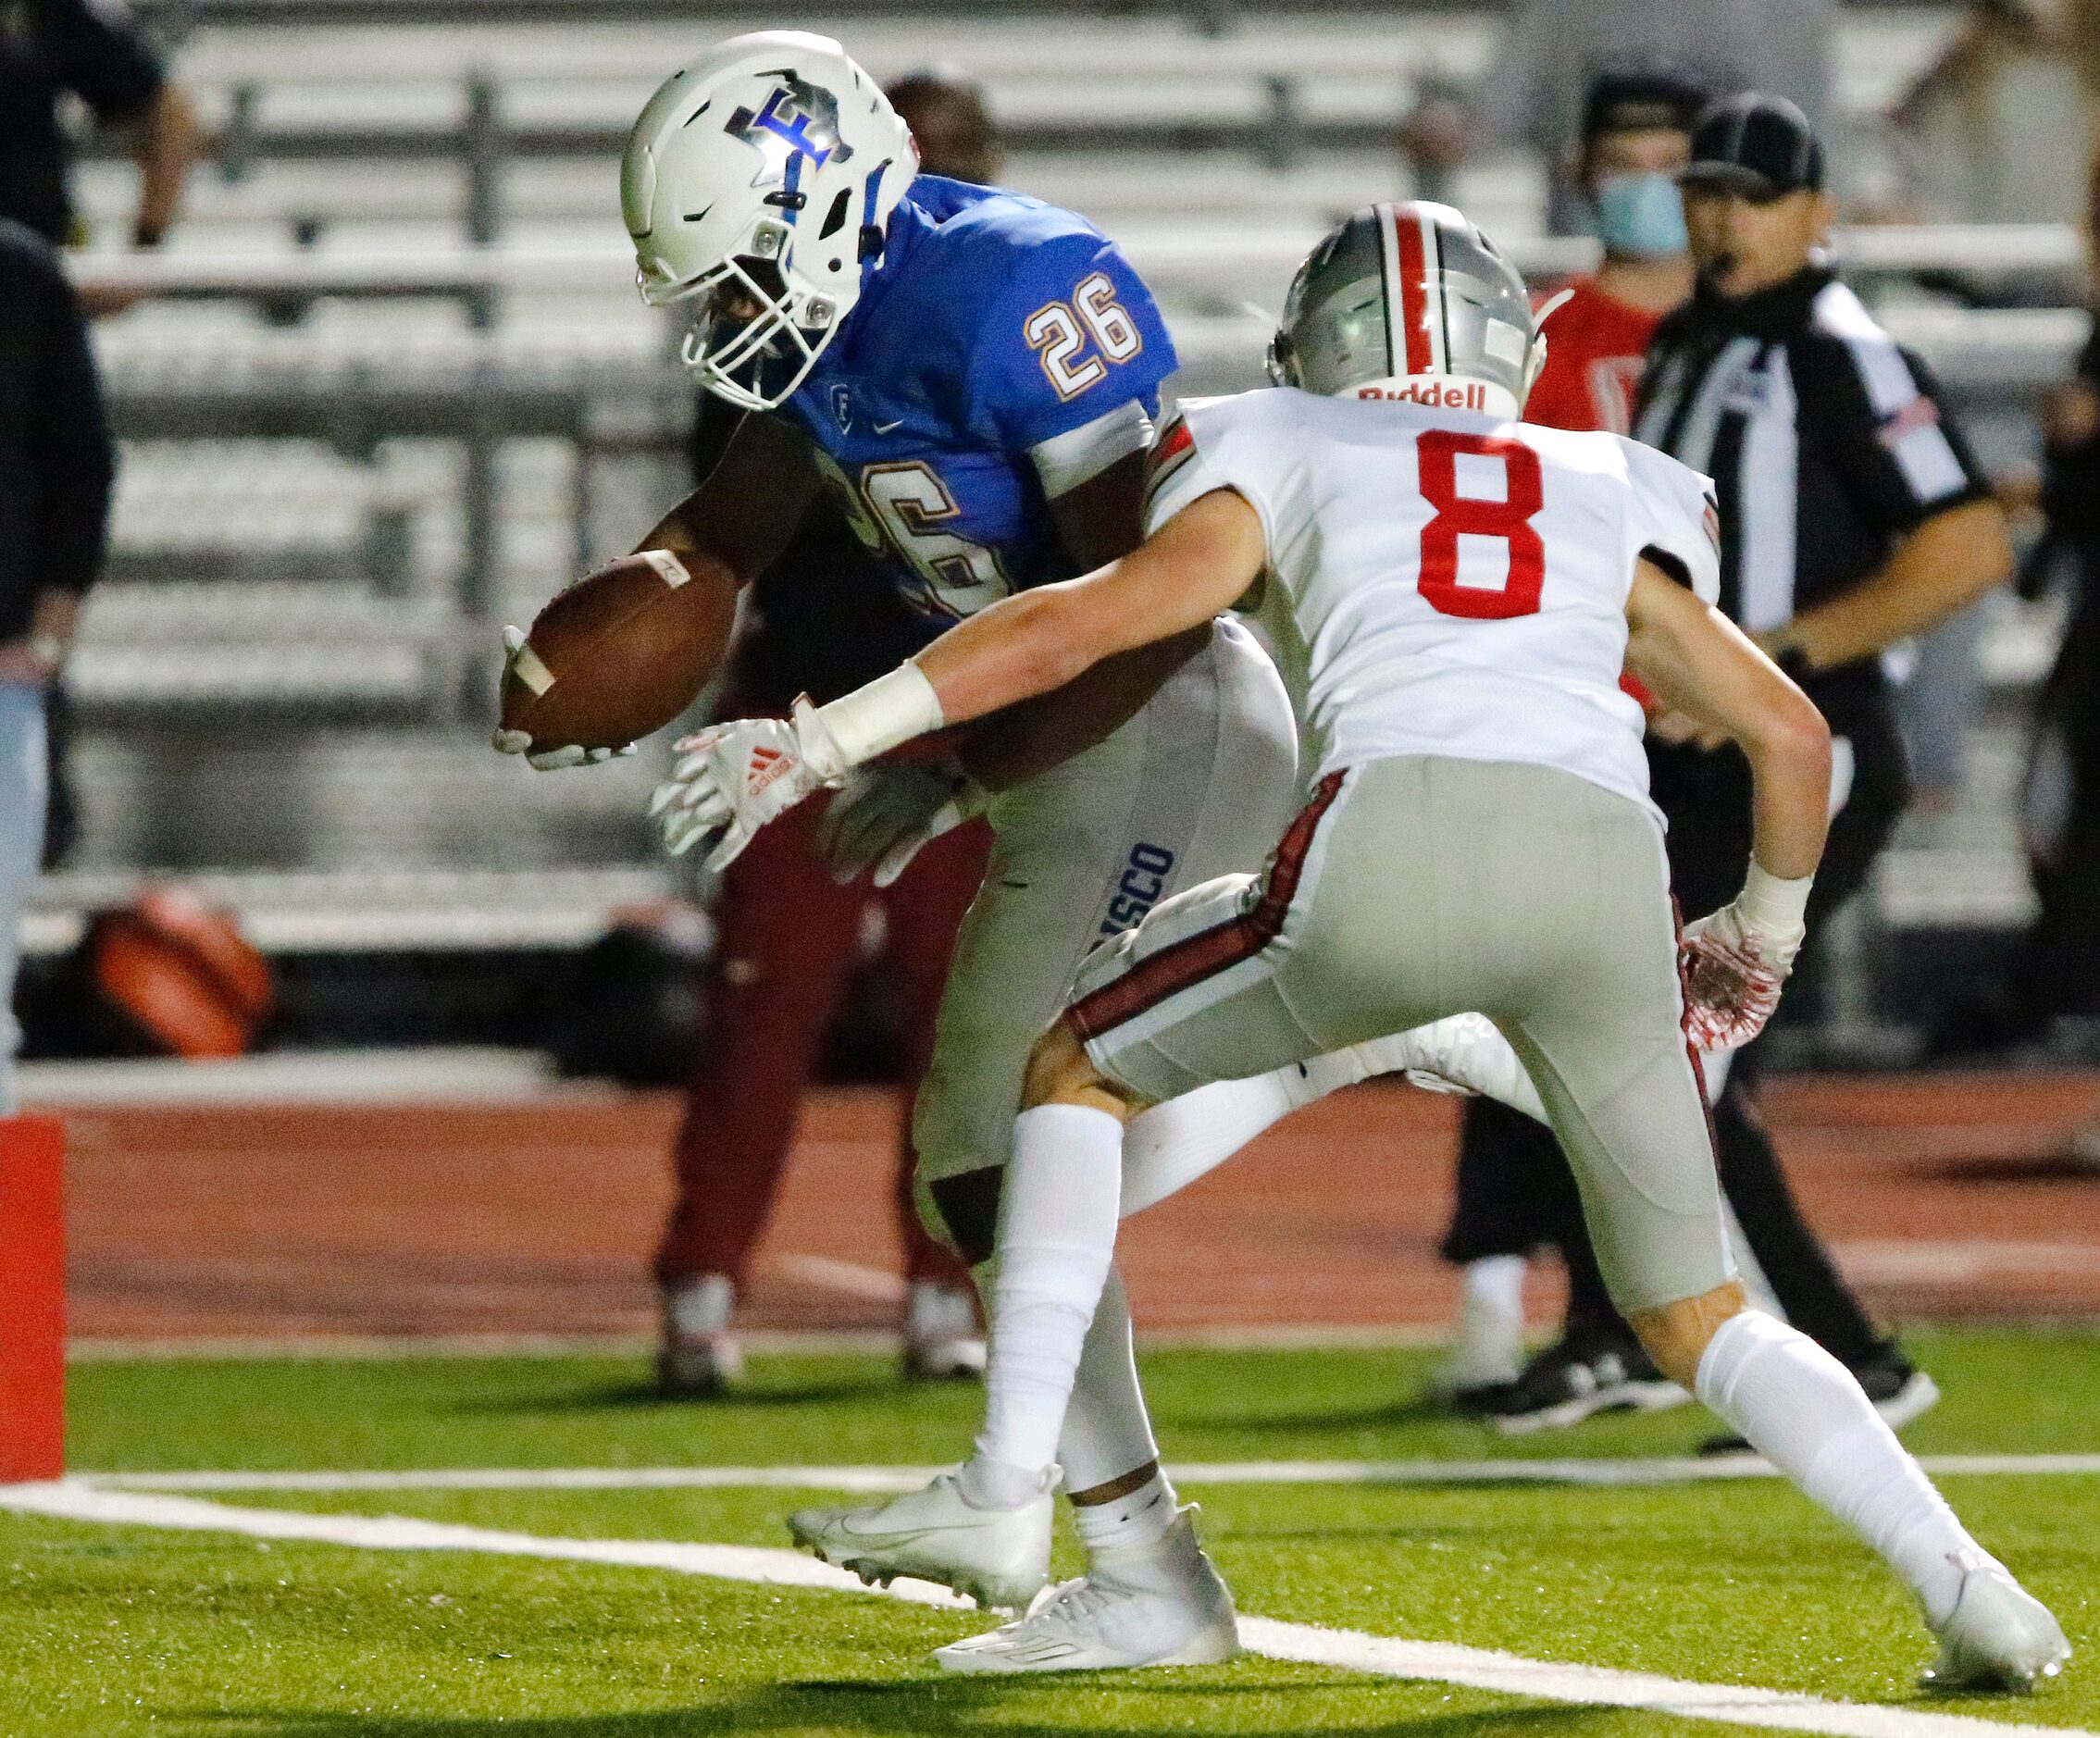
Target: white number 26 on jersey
{"x":1058,"y":332}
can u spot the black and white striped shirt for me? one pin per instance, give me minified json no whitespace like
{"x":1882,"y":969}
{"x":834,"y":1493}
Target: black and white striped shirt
{"x":1825,"y":438}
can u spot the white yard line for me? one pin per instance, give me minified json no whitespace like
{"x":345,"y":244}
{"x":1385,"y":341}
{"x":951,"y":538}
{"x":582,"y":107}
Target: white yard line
{"x":1445,"y":1662}
{"x":876,"y":1478}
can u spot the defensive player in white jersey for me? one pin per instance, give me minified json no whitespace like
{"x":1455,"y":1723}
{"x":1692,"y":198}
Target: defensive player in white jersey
{"x":1456,"y":594}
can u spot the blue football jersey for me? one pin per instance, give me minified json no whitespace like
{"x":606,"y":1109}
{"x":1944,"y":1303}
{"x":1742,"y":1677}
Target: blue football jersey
{"x":993,"y":323}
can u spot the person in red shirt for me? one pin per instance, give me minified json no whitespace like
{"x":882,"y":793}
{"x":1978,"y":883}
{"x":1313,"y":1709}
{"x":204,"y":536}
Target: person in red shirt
{"x":1514,"y":1190}
{"x":1636,"y":136}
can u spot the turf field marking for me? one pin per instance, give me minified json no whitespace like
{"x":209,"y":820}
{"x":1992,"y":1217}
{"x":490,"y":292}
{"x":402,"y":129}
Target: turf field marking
{"x":876,"y":1480}
{"x":1382,"y":1656}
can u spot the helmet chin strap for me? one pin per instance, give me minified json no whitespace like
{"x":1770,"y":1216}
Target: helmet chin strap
{"x":1447,"y":391}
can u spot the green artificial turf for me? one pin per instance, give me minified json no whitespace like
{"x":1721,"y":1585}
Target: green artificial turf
{"x":2006,"y":1393}
{"x":122,"y":1629}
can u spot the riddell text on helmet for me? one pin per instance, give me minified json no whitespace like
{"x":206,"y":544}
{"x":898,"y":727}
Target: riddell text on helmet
{"x":1448,"y":394}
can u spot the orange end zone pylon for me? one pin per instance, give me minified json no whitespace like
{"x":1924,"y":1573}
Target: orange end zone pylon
{"x":32,"y":1299}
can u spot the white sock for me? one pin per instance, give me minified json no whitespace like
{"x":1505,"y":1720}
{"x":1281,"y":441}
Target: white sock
{"x":1107,"y":1435}
{"x":1141,"y":1518}
{"x":1491,"y":1320}
{"x":1801,"y":1410}
{"x":1057,"y":1217}
{"x":1168,"y":1146}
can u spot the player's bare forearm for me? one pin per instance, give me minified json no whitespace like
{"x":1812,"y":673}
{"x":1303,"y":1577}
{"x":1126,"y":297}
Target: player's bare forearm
{"x":749,"y":504}
{"x":1937,"y":571}
{"x":1034,"y":642}
{"x":1700,"y":664}
{"x":1012,"y":746}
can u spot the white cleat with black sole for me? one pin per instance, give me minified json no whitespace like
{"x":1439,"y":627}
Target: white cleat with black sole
{"x":1999,"y":1637}
{"x":1152,"y":1605}
{"x":998,"y":1557}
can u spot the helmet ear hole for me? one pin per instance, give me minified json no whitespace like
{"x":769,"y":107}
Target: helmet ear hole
{"x":834,"y":219}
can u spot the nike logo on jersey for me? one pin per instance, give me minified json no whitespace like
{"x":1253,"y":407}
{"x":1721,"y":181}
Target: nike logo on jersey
{"x":889,"y":427}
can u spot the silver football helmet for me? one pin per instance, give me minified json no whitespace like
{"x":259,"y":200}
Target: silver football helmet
{"x":758,"y":185}
{"x":1410,"y":302}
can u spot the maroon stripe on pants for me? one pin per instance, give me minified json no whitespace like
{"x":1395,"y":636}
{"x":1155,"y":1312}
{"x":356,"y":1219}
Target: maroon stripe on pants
{"x":1174,"y":969}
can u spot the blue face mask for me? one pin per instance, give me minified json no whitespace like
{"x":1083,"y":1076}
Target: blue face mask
{"x":1640,"y":214}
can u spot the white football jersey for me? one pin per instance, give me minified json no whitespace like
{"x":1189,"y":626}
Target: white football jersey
{"x":1442,"y":582}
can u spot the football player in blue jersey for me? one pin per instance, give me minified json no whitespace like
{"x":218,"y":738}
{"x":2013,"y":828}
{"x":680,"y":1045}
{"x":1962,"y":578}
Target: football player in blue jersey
{"x":972,"y":374}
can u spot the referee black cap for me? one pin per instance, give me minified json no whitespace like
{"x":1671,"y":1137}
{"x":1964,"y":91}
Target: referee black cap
{"x":1756,"y":144}
{"x":1646,"y":100}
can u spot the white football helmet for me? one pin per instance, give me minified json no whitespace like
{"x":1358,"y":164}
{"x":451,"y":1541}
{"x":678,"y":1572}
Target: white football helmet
{"x":757,"y":184}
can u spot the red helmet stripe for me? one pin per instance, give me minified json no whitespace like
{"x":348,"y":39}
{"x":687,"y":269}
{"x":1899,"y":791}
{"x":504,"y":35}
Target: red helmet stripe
{"x":1414,"y":288}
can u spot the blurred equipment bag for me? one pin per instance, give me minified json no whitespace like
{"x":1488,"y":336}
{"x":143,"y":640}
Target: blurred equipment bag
{"x":173,"y":976}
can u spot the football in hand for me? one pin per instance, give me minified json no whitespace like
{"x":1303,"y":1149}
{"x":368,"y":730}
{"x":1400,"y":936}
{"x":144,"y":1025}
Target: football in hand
{"x":622,"y":651}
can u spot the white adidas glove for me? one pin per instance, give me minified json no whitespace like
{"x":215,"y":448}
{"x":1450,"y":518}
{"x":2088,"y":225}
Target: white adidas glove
{"x":886,"y":813}
{"x":732,"y":778}
{"x":1734,"y":961}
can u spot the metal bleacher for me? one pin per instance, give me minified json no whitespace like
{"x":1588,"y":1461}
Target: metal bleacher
{"x":397,"y":389}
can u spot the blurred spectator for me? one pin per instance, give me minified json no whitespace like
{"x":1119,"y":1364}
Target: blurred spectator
{"x":1981,"y":127}
{"x":787,"y":936}
{"x":2057,"y":969}
{"x":1553,"y":51}
{"x":91,"y":49}
{"x":946,"y":110}
{"x":54,"y":476}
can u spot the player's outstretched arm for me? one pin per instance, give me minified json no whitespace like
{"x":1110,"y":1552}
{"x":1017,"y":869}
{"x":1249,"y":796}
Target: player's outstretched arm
{"x":1699,"y":663}
{"x":1190,"y":569}
{"x":734,"y":778}
{"x":1097,"y":522}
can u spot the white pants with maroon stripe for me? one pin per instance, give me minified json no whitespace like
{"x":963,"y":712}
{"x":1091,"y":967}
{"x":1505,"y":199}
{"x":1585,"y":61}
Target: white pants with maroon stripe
{"x":1416,"y":887}
{"x":1199,"y":782}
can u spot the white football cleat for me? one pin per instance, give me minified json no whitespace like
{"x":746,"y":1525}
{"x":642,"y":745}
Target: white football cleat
{"x":942,"y":1341}
{"x":1151,"y":1605}
{"x":1464,"y":1053}
{"x":998,"y":1557}
{"x":1999,"y":1636}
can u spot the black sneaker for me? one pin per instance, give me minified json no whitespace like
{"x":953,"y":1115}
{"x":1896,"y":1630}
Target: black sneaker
{"x":1594,"y":1369}
{"x":1899,"y":1390}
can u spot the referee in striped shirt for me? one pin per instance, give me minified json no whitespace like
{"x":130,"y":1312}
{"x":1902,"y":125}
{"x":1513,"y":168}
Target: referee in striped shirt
{"x":1853,"y":515}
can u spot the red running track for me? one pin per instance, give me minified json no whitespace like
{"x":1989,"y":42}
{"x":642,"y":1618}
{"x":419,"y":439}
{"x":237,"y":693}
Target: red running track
{"x":1945,"y":1196}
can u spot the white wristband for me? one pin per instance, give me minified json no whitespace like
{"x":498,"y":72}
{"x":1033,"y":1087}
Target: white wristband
{"x":870,"y":721}
{"x":1777,"y":906}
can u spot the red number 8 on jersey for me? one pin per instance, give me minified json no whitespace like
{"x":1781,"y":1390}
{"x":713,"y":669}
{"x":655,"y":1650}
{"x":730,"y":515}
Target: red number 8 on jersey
{"x":1436,"y":454}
